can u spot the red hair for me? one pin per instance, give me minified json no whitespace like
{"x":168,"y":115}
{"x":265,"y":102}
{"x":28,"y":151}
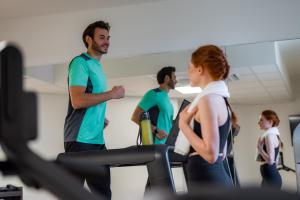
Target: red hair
{"x":270,"y":115}
{"x":212,"y":58}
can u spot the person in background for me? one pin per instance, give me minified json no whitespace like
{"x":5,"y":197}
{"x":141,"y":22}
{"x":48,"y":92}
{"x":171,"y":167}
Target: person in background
{"x":268,"y":149}
{"x":157,"y":102}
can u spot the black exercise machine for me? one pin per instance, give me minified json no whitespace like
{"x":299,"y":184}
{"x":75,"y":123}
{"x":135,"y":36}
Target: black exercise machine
{"x":155,"y":157}
{"x":11,"y":192}
{"x":229,"y":162}
{"x":281,"y":165}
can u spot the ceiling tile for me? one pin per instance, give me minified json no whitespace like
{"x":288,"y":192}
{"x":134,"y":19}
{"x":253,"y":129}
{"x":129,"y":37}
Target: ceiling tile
{"x":272,"y":83}
{"x":249,"y":77}
{"x":240,"y":71}
{"x":276,"y":89}
{"x":269,"y":76}
{"x":264,"y":69}
{"x":241,"y":85}
{"x":259,"y":91}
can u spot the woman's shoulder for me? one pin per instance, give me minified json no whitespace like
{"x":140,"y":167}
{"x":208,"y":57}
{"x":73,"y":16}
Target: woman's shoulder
{"x":211,"y":100}
{"x":205,"y":101}
{"x":271,"y":138}
{"x":209,"y":104}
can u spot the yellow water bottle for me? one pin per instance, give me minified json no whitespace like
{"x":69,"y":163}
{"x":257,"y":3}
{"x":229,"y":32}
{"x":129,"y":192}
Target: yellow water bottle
{"x":147,"y":138}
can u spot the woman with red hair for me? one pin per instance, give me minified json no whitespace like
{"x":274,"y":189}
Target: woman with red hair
{"x":268,"y":148}
{"x":211,"y":119}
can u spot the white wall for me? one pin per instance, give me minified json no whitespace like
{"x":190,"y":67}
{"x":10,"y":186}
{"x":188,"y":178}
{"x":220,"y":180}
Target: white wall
{"x":52,"y":109}
{"x":245,"y":143}
{"x":156,"y":27}
{"x":51,"y":114}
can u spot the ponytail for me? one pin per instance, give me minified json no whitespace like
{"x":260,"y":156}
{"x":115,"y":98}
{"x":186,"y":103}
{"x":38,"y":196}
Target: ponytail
{"x":233,"y":115}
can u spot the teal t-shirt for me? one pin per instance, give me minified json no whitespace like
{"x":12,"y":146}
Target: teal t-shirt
{"x":160,"y":98}
{"x":86,"y":125}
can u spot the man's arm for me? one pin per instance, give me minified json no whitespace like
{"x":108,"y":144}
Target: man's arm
{"x":161,"y":134}
{"x":148,"y":100}
{"x":136,"y":115}
{"x":80,"y":99}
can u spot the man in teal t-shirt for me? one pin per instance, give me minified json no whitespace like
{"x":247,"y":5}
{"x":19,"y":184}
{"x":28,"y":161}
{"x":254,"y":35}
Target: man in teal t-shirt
{"x":157,"y":102}
{"x":85,"y":120}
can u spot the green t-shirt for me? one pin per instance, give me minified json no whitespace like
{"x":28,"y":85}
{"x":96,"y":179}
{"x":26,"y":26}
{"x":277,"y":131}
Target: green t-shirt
{"x":86,"y":125}
{"x":159,"y":100}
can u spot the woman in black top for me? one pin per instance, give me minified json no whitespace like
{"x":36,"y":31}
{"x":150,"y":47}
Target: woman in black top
{"x":268,"y":149}
{"x":212,"y":120}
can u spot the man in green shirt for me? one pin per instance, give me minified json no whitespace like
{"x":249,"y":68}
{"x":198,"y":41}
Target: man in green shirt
{"x":88,"y":94}
{"x":157,"y":102}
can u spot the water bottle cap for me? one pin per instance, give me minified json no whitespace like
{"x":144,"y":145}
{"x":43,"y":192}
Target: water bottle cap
{"x":145,"y":115}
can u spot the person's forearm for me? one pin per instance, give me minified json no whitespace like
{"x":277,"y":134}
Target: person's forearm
{"x":85,"y":100}
{"x":135,"y":120}
{"x":265,"y":156}
{"x":136,"y":116}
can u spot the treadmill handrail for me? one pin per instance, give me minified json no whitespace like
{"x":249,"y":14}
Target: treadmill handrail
{"x":154,"y":156}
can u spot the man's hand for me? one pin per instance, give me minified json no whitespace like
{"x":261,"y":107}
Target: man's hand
{"x":161,"y":134}
{"x":117,"y":92}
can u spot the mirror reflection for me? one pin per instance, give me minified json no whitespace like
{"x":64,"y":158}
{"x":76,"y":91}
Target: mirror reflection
{"x":262,"y":76}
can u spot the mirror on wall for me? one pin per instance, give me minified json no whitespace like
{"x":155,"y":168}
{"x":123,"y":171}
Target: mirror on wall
{"x":263,"y":75}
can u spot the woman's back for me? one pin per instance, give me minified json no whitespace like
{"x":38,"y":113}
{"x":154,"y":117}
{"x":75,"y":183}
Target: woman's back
{"x":221,"y":111}
{"x":200,"y":170}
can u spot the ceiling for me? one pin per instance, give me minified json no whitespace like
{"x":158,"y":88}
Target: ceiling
{"x":11,"y":9}
{"x":261,"y":79}
{"x":259,"y":84}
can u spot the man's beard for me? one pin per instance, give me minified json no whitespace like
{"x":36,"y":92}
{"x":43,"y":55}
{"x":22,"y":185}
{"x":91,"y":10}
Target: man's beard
{"x":171,"y":84}
{"x":97,"y":48}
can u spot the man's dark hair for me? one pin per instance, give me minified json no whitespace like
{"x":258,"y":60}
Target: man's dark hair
{"x":90,"y":30}
{"x":166,"y":71}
